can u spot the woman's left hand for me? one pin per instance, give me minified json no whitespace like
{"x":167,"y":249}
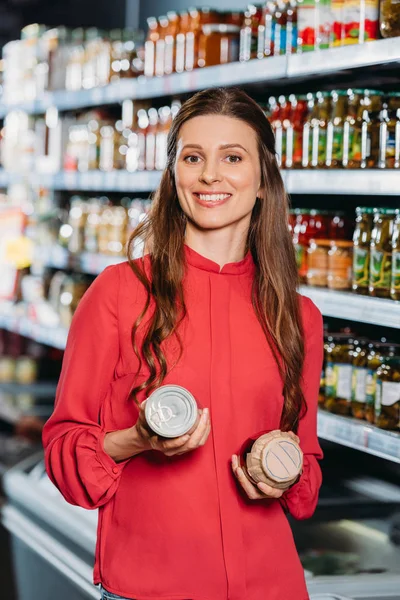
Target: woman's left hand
{"x":262,"y":490}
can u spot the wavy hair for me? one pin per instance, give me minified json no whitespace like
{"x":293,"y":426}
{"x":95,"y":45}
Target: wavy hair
{"x":274,"y":292}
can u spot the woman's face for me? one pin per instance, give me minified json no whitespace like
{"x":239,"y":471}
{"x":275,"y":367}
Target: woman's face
{"x":217,"y":172}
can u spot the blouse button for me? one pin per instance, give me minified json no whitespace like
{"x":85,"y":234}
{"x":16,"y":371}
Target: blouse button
{"x":115,"y":470}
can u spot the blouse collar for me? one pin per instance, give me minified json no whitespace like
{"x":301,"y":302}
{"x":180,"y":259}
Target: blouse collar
{"x":246,"y":265}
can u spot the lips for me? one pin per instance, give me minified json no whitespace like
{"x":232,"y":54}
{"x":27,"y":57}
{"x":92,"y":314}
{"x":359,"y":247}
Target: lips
{"x":211,"y":200}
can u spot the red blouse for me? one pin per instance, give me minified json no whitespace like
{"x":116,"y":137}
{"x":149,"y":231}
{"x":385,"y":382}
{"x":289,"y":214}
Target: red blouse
{"x":179,"y":528}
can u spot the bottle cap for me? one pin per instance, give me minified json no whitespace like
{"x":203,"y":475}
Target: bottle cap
{"x":171,"y":411}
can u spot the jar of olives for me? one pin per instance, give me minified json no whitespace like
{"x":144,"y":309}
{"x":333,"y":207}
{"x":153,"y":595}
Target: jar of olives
{"x":339,"y":374}
{"x":381,"y":253}
{"x":378,"y":353}
{"x":387,"y":400}
{"x":359,"y":378}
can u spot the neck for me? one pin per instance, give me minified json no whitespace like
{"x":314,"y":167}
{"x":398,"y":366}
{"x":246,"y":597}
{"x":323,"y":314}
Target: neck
{"x":220,"y":246}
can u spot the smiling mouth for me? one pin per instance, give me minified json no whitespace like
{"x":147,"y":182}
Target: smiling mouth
{"x":212,"y":197}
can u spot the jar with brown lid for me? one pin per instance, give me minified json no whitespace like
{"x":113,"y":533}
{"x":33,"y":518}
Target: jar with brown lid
{"x":340,"y":261}
{"x":317,"y":262}
{"x":387,"y":400}
{"x":359,"y":378}
{"x":339,"y":374}
{"x":361,"y":248}
{"x":381,"y":253}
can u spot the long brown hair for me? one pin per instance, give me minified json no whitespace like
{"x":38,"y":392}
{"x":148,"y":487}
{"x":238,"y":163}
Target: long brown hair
{"x":274,"y":295}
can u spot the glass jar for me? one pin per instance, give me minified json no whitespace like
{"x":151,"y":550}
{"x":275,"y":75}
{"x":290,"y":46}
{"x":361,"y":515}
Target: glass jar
{"x":218,"y":44}
{"x":361,"y":248}
{"x":387,"y":400}
{"x":180,"y":42}
{"x":319,"y":138}
{"x":266,"y":31}
{"x":301,"y":239}
{"x":364,"y":152}
{"x":91,"y":229}
{"x":249,"y":33}
{"x":317,"y":262}
{"x":299,"y":115}
{"x":153,"y":34}
{"x":339,"y":374}
{"x":340,"y":263}
{"x":381,"y":253}
{"x":77,"y":219}
{"x":375,"y":358}
{"x":198,"y":18}
{"x":334,"y":143}
{"x":310,"y":122}
{"x":390,"y":18}
{"x":361,"y":21}
{"x":170,"y":42}
{"x":359,"y":378}
{"x":322,"y":386}
{"x":340,"y":227}
{"x":395,"y":281}
{"x":389,"y":133}
{"x":349,"y":125}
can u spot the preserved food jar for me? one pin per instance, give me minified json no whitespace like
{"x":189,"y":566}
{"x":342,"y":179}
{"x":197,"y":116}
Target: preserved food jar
{"x":340,"y":263}
{"x":359,"y":378}
{"x":390,"y":18}
{"x":361,"y":21}
{"x":340,"y":228}
{"x":381,"y":253}
{"x":218,"y":44}
{"x":319,"y":141}
{"x":151,"y":134}
{"x":334,"y":143}
{"x":266,"y":33}
{"x":375,"y":357}
{"x":395,"y":282}
{"x":198,"y":18}
{"x":364,"y":152}
{"x":339,"y":375}
{"x":387,"y":399}
{"x":299,"y":114}
{"x":180,"y":42}
{"x":322,"y":385}
{"x":309,"y":122}
{"x":275,"y":110}
{"x":317,"y":262}
{"x":170,"y":42}
{"x":284,"y":135}
{"x":349,"y":126}
{"x":307,"y":22}
{"x":389,"y":133}
{"x":361,"y":249}
{"x":153,"y":34}
{"x":337,"y":32}
{"x":249,"y":33}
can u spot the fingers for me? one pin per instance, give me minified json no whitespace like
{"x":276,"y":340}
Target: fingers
{"x":261,"y":491}
{"x":294,"y":436}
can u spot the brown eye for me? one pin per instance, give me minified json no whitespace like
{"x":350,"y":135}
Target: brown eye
{"x":233,"y":158}
{"x":192,"y":159}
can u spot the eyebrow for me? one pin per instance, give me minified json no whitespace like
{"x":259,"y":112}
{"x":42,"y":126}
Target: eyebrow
{"x":223,"y":147}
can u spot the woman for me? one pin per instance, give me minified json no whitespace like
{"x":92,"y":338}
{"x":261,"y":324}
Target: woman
{"x":213,"y":307}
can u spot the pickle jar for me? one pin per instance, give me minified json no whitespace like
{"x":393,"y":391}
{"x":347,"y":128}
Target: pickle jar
{"x":361,"y":249}
{"x":390,"y":18}
{"x":395,"y":282}
{"x":380,"y":271}
{"x":339,"y":375}
{"x":359,"y":378}
{"x":340,"y":262}
{"x":389,"y":133}
{"x":363,"y":152}
{"x":328,"y":344}
{"x":317,"y":262}
{"x":378,"y":353}
{"x":301,"y":239}
{"x":387,"y":399}
{"x":334,"y":141}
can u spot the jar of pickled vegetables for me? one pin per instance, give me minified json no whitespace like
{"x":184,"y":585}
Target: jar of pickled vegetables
{"x":301,"y":239}
{"x":387,"y":400}
{"x":361,"y":247}
{"x":378,"y":352}
{"x":317,"y":262}
{"x":381,"y":253}
{"x":390,"y":18}
{"x":339,"y":375}
{"x":322,"y":386}
{"x":359,"y":378}
{"x":340,"y":264}
{"x":395,"y":283}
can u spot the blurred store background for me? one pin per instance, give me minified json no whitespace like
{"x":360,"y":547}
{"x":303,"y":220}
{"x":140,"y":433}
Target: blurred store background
{"x":88,"y":92}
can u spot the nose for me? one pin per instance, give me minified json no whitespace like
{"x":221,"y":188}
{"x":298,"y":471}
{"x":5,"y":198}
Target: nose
{"x":210,"y":173}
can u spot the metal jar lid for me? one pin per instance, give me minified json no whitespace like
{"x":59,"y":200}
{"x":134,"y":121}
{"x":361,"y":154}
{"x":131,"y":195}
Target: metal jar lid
{"x":275,"y":459}
{"x":171,"y":411}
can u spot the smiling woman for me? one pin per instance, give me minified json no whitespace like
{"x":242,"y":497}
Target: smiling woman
{"x":211,"y":307}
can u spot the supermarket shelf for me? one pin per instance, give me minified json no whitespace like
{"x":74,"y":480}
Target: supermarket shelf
{"x":357,"y":182}
{"x":359,"y":435}
{"x":346,"y":305}
{"x":282,"y":68}
{"x":58,"y":257}
{"x":115,"y":181}
{"x":55,"y":337}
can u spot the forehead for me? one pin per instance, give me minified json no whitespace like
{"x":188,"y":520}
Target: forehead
{"x":216,"y":130}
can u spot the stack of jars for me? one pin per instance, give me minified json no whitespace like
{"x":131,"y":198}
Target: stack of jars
{"x":194,"y":38}
{"x":351,"y":129}
{"x":361,"y":378}
{"x":136,"y":142}
{"x":323,"y":247}
{"x":376,"y":264}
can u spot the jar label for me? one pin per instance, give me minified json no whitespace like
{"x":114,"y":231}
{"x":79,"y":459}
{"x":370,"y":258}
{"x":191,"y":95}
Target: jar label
{"x":370,"y":387}
{"x":380,"y":269}
{"x":337,"y":144}
{"x":307,"y":21}
{"x":358,"y":385}
{"x":330,"y":380}
{"x":360,"y":266}
{"x":389,"y":392}
{"x":343,"y":377}
{"x":378,"y":398}
{"x":396,"y":270}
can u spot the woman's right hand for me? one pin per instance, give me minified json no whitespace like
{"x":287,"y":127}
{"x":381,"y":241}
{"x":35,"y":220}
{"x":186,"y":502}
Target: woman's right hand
{"x":195,"y":438}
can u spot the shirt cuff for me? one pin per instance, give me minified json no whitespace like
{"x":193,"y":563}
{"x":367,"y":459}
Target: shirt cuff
{"x":113,"y":468}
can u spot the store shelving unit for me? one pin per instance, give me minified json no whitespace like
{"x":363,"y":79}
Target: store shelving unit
{"x":359,"y":435}
{"x":51,"y":336}
{"x":58,"y":257}
{"x":280,"y":69}
{"x":346,"y":305}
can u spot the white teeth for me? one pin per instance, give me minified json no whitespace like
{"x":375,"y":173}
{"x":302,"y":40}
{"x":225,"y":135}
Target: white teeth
{"x":213,"y":197}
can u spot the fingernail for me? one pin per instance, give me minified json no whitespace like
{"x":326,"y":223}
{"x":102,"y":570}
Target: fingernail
{"x":205,"y":413}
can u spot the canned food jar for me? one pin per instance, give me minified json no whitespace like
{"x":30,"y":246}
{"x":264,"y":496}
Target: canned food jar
{"x":387,"y":399}
{"x":317,"y":267}
{"x":340,"y":265}
{"x":339,"y":374}
{"x":171,"y":411}
{"x":274,"y":458}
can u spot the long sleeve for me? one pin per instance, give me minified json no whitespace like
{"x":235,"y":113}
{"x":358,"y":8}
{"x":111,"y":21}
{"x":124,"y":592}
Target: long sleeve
{"x":301,"y":500}
{"x":73,"y":438}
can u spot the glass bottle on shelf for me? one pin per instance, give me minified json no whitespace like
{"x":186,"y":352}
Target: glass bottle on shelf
{"x":275,"y":110}
{"x":170,"y":41}
{"x":395,"y":281}
{"x":359,"y":378}
{"x":381,"y":253}
{"x":389,"y":18}
{"x":266,"y":32}
{"x":142,"y":129}
{"x":107,"y":148}
{"x":349,"y":125}
{"x":218,"y":44}
{"x":249,"y":33}
{"x":74,"y":67}
{"x":280,"y":28}
{"x":160,"y":45}
{"x":319,"y":125}
{"x":307,"y":19}
{"x":153,"y":34}
{"x":375,"y":358}
{"x":387,"y":398}
{"x":335,"y":134}
{"x":339,"y":375}
{"x":389,"y":133}
{"x":299,"y":115}
{"x":180,"y":41}
{"x":301,"y":238}
{"x":309,"y":123}
{"x":132,"y":53}
{"x":286,"y":110}
{"x":365,"y":150}
{"x":151,"y":134}
{"x":165,"y":120}
{"x":361,"y":249}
